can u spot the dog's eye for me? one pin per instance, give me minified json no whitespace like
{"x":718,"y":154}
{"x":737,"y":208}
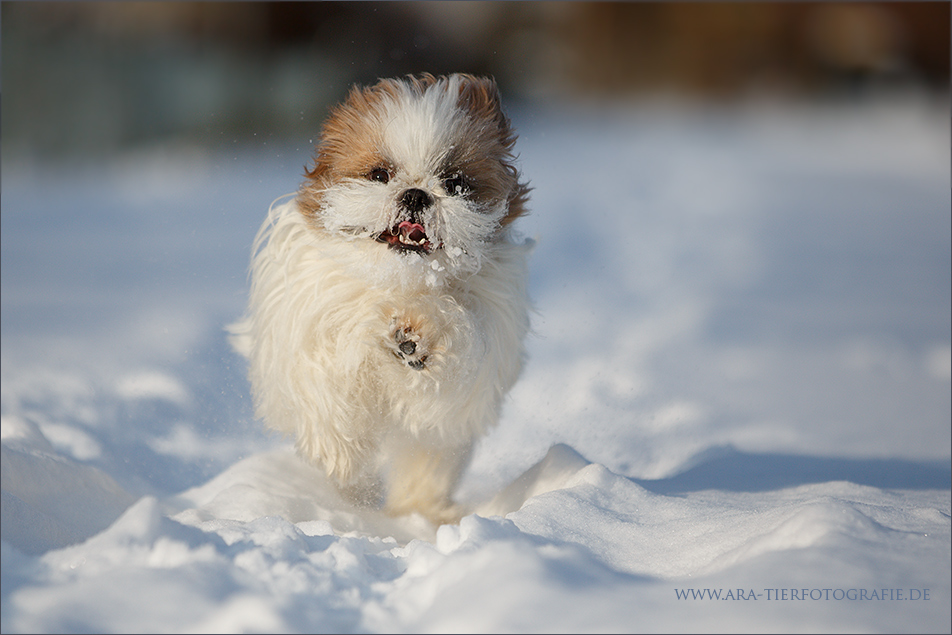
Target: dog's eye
{"x":381,"y":175}
{"x":455,"y":184}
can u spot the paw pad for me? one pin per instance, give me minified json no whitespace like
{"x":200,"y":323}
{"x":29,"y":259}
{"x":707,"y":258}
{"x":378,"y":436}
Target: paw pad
{"x":407,"y":349}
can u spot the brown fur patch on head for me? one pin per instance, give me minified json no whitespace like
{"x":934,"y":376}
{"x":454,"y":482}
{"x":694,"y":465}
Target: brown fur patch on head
{"x":349,"y":147}
{"x":351,"y":143}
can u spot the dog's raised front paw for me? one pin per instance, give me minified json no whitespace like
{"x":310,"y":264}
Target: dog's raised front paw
{"x":408,"y":347}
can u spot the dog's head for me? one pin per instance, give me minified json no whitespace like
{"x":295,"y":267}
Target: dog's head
{"x":422,"y":165}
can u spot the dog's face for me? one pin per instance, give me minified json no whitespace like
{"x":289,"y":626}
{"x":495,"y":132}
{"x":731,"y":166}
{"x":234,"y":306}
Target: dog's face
{"x":421,"y":166}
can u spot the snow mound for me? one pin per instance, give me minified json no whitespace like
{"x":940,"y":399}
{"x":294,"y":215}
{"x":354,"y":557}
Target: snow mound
{"x":49,"y":500}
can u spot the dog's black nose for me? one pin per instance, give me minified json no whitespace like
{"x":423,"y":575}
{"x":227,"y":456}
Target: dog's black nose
{"x":416,"y":200}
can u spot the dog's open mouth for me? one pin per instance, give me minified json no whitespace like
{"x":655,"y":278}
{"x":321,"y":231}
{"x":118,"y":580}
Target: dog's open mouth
{"x":407,"y":236}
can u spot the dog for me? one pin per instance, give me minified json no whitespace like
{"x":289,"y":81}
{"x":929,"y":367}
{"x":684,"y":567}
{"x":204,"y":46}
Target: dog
{"x":388,"y":305}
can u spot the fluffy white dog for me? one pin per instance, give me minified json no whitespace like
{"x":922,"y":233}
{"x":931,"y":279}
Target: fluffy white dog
{"x":388,"y":300}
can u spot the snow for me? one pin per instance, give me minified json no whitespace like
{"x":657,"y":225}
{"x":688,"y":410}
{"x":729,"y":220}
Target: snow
{"x":739,"y":385}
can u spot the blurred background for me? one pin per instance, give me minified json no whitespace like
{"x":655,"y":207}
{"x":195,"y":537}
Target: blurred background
{"x":88,"y":78}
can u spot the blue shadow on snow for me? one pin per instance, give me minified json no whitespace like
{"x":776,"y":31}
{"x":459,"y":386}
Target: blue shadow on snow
{"x":731,"y":470}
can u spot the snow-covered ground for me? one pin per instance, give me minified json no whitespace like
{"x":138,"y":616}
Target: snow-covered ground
{"x":736,"y":415}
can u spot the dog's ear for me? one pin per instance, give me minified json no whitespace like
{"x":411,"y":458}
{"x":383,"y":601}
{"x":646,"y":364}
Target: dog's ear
{"x":311,"y":193}
{"x":479,"y":96}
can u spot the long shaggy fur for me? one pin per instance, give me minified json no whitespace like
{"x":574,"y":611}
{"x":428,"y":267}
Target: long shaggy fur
{"x":383,"y":353}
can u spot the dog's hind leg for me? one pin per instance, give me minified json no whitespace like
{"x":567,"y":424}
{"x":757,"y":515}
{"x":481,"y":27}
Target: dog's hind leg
{"x":421,"y":479}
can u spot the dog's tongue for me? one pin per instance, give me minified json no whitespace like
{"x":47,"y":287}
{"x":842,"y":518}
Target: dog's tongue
{"x":413,"y":232}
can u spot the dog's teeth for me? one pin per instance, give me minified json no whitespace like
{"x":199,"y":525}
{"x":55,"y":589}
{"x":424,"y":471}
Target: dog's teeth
{"x":406,"y":240}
